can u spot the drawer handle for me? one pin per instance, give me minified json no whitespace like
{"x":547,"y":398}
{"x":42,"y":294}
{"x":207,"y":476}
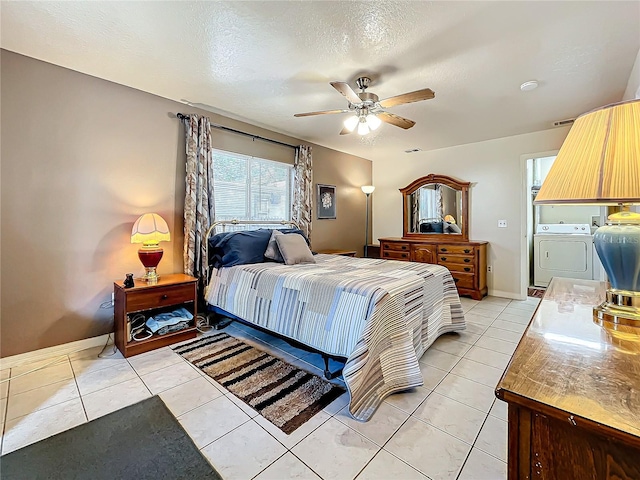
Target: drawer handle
{"x":466,"y":269}
{"x":443,"y":249}
{"x":404,"y":247}
{"x":165,"y":296}
{"x":466,"y":250}
{"x":444,"y":259}
{"x":467,"y":260}
{"x":455,"y":279}
{"x":386,"y":254}
{"x":404,"y":255}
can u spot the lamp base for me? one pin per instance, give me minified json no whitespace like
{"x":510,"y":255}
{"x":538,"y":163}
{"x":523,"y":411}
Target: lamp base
{"x":150,"y":276}
{"x":622,"y":307}
{"x":150,"y":258}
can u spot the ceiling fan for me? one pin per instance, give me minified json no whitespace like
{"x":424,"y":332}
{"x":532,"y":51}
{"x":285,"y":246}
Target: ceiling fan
{"x":368,"y":111}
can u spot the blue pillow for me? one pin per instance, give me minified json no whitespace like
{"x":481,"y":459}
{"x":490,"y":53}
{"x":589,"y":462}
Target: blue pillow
{"x":431,"y":227}
{"x":238,"y":248}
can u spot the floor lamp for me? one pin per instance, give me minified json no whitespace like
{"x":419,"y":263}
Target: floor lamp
{"x":368,"y":190}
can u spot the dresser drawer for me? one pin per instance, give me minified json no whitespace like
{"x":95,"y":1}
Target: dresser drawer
{"x":463,"y":280}
{"x":446,"y":259}
{"x":403,"y":247}
{"x":396,"y":255}
{"x":459,"y":267}
{"x":456,"y":249}
{"x":160,"y":297}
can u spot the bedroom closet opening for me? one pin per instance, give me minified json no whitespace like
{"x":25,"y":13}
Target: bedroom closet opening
{"x":559,"y":238}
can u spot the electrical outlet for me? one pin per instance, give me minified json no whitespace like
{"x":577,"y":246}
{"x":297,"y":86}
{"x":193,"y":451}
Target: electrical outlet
{"x":489,"y":269}
{"x":113,"y":298}
{"x":502,"y":224}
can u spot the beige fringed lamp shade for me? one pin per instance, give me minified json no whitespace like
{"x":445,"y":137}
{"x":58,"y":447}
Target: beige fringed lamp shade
{"x":599,"y":161}
{"x":150,"y":229}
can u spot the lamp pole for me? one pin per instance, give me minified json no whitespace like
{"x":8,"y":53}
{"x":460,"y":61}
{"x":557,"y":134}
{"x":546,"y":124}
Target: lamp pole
{"x":366,"y":231}
{"x":368,"y":190}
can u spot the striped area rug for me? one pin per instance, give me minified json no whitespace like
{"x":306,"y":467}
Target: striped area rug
{"x":285,"y":395}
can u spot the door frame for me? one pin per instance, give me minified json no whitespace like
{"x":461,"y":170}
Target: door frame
{"x":526,"y":216}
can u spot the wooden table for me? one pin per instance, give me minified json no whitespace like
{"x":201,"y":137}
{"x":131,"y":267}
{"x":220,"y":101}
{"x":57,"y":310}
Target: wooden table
{"x":172,"y":291}
{"x":573,"y":389}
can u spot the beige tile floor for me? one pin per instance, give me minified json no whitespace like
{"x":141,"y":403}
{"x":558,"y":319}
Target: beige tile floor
{"x":450,"y":428}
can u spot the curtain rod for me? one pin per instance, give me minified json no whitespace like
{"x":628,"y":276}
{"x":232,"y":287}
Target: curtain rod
{"x":182,"y":116}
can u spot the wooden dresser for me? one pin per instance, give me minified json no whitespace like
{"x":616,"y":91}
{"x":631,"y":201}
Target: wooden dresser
{"x":467,"y":261}
{"x":573,"y":389}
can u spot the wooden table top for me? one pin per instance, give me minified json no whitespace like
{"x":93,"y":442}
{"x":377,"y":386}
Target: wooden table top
{"x":569,"y":363}
{"x":163,"y":281}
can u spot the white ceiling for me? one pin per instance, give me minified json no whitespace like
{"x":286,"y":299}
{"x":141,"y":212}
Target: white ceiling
{"x":264,"y":61}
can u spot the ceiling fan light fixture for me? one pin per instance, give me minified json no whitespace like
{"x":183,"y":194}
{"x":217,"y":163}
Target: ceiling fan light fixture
{"x":373,"y":121}
{"x":351,"y":122}
{"x":363,"y":128}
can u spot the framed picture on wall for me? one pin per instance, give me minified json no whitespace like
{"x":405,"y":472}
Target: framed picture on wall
{"x":326,"y":201}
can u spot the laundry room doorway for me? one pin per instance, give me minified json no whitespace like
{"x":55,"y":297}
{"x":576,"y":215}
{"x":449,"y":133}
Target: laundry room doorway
{"x":557,"y":239}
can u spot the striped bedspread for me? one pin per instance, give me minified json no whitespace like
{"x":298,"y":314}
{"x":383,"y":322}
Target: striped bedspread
{"x":380,"y":314}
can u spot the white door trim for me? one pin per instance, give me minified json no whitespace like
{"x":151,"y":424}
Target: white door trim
{"x":525,"y":216}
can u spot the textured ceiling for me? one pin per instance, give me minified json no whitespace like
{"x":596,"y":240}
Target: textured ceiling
{"x":264,"y":61}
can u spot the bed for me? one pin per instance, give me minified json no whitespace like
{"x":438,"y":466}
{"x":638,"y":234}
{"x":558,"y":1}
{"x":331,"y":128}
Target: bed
{"x":379,"y":315}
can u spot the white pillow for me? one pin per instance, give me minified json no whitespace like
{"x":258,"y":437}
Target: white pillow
{"x":294,"y":249}
{"x":273,"y":252}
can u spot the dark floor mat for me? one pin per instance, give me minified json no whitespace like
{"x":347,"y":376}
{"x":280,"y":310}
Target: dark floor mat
{"x":142,"y":441}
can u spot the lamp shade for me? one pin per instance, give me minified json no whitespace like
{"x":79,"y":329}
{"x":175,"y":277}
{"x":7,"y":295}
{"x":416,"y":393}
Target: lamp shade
{"x":368,"y":189}
{"x":150,"y":229}
{"x":351,"y":122}
{"x":599,"y":161}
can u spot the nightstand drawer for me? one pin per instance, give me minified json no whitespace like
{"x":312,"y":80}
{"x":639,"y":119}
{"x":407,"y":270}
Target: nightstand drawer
{"x":160,"y":297}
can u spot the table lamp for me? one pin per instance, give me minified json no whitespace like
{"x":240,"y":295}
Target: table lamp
{"x":149,"y":230}
{"x":599,"y":163}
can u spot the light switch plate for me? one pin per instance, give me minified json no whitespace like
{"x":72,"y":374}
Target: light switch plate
{"x":502,"y":224}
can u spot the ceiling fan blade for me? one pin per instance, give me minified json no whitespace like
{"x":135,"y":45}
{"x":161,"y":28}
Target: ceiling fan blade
{"x":396,"y":120}
{"x":417,"y":96}
{"x":323,"y":112}
{"x":347,"y":91}
{"x":346,"y":131}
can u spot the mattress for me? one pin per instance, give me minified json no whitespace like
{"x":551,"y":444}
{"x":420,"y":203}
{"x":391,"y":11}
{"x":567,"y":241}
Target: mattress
{"x":381,"y":315}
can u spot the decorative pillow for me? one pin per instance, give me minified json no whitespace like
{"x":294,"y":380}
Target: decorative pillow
{"x":431,"y":227}
{"x":273,"y":252}
{"x":238,"y":248}
{"x":452,"y":228}
{"x":294,"y":249}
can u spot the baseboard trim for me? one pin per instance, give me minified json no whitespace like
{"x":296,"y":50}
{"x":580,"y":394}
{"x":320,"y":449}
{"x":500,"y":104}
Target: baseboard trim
{"x":49,"y":352}
{"x":511,"y":295}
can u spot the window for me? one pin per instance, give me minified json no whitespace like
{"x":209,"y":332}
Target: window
{"x":249,"y":188}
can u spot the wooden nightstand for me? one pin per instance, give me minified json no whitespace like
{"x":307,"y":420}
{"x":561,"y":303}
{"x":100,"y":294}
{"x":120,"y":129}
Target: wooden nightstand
{"x":171,"y":292}
{"x":344,"y":253}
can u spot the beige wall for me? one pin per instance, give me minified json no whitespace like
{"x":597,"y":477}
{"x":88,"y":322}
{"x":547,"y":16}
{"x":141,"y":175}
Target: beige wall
{"x":82,"y":158}
{"x":633,"y":85}
{"x":495,"y":168}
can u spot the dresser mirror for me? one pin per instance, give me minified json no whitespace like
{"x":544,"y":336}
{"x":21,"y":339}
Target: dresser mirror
{"x":436,"y":207}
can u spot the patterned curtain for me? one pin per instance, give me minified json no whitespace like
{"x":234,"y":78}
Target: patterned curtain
{"x":302,"y":208}
{"x":199,"y":209}
{"x":439,"y":204}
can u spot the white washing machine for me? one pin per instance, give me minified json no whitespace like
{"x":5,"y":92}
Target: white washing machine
{"x":562,"y":250}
